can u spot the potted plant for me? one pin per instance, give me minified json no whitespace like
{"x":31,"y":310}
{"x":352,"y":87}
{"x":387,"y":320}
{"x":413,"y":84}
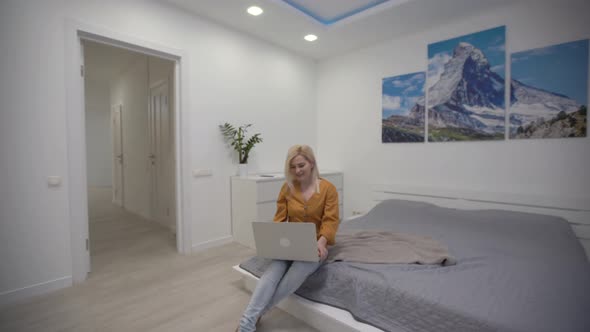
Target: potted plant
{"x":236,"y":138}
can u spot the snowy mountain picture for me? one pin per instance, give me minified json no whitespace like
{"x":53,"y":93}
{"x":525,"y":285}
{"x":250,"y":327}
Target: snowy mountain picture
{"x":466,"y":87}
{"x":403,"y":108}
{"x":549,"y":91}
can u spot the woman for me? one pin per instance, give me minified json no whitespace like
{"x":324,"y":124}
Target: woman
{"x":305,"y":197}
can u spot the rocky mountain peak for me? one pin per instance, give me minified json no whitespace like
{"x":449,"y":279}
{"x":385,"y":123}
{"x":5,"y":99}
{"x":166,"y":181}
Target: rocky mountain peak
{"x":468,"y":79}
{"x":462,"y":49}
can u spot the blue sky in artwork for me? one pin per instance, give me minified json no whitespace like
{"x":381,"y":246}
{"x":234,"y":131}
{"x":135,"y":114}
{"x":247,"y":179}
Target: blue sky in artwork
{"x":491,"y":42}
{"x":561,"y":68}
{"x":400,"y":93}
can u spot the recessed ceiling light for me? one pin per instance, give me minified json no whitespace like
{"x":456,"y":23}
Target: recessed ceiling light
{"x":310,"y":37}
{"x":255,"y":10}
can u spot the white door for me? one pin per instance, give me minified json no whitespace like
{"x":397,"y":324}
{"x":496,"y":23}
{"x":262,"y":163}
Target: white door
{"x":161,"y":127}
{"x":117,"y":139}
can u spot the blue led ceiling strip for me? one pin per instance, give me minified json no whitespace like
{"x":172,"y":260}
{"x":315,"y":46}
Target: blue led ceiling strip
{"x":326,"y":21}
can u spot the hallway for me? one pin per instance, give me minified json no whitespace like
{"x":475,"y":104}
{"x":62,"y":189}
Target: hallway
{"x":140,"y":283}
{"x":118,"y":238}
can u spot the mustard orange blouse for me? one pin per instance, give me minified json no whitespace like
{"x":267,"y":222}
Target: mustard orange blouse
{"x":321,"y":208}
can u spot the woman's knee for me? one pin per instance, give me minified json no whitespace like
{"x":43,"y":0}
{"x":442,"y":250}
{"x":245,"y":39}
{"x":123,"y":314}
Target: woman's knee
{"x":275,"y":270}
{"x":305,"y":267}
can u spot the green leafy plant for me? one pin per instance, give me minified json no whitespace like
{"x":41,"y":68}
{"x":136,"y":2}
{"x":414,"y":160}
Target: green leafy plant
{"x":236,"y":138}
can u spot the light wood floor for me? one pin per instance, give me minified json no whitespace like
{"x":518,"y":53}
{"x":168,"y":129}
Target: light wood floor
{"x":140,"y":283}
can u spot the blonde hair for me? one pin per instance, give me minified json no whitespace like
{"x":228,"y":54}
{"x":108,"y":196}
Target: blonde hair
{"x":306,"y":152}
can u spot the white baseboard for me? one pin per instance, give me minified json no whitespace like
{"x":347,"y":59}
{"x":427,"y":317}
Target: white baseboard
{"x":18,"y":295}
{"x":212,"y":243}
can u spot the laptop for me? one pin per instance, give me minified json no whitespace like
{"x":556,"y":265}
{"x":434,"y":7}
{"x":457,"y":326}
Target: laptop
{"x":294,"y":241}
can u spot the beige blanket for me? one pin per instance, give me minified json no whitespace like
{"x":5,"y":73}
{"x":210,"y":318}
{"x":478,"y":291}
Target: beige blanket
{"x":388,"y":247}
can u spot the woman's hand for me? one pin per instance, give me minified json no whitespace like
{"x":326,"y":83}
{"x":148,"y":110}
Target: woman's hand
{"x":322,"y":248}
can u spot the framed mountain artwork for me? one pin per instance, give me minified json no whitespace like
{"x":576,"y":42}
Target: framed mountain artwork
{"x":549,"y":91}
{"x":466,"y":84}
{"x":402,"y":117}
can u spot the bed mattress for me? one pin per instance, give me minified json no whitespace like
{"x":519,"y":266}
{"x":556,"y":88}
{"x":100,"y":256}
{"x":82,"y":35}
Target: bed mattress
{"x":515,"y":272}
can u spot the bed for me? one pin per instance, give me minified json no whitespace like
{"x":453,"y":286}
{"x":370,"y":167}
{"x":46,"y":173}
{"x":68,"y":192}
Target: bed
{"x":521,"y":267}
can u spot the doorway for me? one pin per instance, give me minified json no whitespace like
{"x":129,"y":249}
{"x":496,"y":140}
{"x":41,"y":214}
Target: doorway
{"x":135,"y":138}
{"x":76,"y":34}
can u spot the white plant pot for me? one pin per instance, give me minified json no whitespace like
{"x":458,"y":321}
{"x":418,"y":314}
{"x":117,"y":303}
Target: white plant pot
{"x":243,"y":170}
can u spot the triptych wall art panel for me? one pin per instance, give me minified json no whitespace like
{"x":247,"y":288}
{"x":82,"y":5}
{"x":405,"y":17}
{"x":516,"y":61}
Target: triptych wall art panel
{"x":465,"y":92}
{"x":466,"y":87}
{"x":549,"y":91}
{"x":403,"y":108}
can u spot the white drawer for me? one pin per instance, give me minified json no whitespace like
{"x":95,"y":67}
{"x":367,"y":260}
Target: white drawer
{"x":266,"y":211}
{"x":268,"y":191}
{"x":335,"y":179}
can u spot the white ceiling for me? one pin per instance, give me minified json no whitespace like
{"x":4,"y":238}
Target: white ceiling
{"x":285,"y":25}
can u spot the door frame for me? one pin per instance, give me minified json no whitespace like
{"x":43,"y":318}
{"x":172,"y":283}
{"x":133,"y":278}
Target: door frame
{"x":75,"y":33}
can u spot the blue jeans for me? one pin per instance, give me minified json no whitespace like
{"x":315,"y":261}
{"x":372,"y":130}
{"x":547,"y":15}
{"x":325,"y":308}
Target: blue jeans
{"x":281,"y":279}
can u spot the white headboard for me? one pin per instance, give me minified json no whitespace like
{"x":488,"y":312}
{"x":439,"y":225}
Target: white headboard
{"x":575,"y":210}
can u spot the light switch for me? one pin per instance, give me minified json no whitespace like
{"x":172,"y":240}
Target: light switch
{"x":54,"y":181}
{"x":202,"y":172}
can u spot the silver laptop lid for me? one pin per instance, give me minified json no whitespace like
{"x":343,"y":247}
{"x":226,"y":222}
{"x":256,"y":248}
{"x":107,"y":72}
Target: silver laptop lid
{"x":294,"y":241}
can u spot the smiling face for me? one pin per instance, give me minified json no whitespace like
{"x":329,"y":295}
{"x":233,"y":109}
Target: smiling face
{"x":301,"y":169}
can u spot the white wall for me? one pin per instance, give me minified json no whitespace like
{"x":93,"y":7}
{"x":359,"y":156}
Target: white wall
{"x":98,"y":134}
{"x":232,"y":77}
{"x":34,"y":229}
{"x":130,"y":89}
{"x":349,"y":114}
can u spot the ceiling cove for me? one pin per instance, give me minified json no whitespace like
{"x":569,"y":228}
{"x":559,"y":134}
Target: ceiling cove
{"x":332,"y":12}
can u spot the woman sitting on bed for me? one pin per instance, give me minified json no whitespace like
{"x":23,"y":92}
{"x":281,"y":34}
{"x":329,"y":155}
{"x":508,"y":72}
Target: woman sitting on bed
{"x":304,"y":197}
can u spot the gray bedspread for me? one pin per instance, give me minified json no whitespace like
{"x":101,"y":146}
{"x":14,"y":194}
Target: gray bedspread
{"x":514,"y":272}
